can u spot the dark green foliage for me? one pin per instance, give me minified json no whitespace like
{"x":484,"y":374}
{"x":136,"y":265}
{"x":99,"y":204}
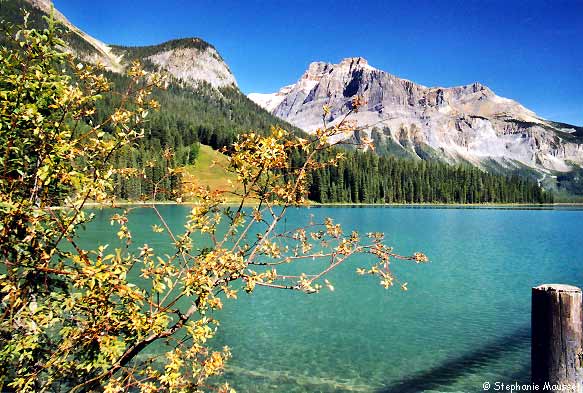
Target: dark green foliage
{"x":368,"y":178}
{"x":140,"y":52}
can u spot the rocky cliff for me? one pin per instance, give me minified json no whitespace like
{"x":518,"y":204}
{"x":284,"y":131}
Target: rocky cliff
{"x":466,"y":123}
{"x":190,"y":60}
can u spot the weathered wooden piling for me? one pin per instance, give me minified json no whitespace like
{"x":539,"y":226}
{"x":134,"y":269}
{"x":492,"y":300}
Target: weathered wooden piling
{"x":557,"y":333}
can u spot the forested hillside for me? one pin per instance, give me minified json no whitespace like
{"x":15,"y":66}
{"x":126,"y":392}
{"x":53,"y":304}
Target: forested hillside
{"x":369,"y":178}
{"x":188,"y":117}
{"x":140,"y":52}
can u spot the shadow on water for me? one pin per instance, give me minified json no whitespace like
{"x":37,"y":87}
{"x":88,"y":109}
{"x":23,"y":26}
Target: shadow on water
{"x":451,"y":370}
{"x":522,"y":376}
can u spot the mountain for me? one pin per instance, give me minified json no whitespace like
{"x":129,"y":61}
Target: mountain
{"x":458,"y":124}
{"x":190,"y":61}
{"x":202,"y":91}
{"x":202,"y":104}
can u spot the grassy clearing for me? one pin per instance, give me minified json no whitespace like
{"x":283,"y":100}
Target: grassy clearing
{"x":209,"y":171}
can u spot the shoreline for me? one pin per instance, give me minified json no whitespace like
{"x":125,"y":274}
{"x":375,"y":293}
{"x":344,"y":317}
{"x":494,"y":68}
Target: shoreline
{"x":452,"y":204}
{"x":345,"y":204}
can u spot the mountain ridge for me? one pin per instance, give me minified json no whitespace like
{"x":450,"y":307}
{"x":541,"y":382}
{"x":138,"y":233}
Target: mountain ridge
{"x":467,"y":123}
{"x":189,"y":60}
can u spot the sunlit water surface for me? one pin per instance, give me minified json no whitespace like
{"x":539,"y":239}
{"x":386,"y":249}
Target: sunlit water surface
{"x":464,"y":320}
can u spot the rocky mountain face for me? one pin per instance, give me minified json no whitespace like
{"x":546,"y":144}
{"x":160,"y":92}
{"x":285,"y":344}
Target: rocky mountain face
{"x":466,"y":123}
{"x":190,"y":61}
{"x":191,"y":66}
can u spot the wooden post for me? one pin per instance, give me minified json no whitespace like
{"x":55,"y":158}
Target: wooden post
{"x":556,"y":353}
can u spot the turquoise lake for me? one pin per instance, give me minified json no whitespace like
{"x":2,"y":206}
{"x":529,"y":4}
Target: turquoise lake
{"x":465,"y":319}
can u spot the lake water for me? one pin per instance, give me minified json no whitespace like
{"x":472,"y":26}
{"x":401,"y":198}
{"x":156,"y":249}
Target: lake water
{"x":465,"y":319}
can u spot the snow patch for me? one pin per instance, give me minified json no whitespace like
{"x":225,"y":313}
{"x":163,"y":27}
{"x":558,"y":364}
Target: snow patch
{"x":268,"y":101}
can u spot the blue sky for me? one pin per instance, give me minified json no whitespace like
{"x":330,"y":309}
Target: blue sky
{"x":530,"y":51}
